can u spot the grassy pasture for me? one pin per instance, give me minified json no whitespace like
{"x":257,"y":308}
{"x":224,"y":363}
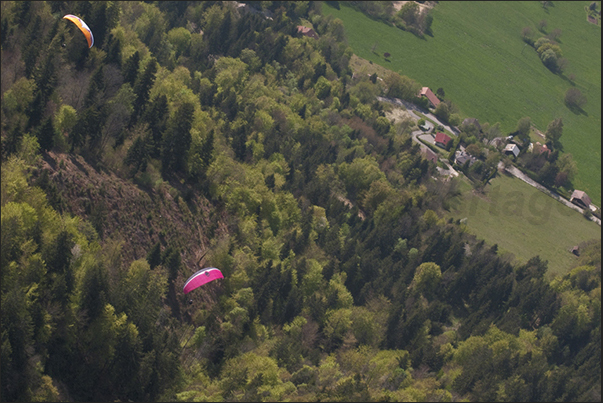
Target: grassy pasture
{"x":524,"y":221}
{"x":477,"y":55}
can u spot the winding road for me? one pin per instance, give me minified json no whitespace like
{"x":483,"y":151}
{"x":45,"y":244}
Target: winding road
{"x":412,"y":108}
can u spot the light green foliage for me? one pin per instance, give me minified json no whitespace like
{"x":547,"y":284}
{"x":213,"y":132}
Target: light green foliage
{"x":322,"y":87}
{"x":442,"y":111}
{"x":523,"y":126}
{"x":180,"y":38}
{"x":250,"y":370}
{"x":427,"y":277}
{"x":554,"y":130}
{"x":66,"y":118}
{"x":338,"y":294}
{"x":359,"y":174}
{"x":365,"y":91}
{"x":18,"y":220}
{"x":412,"y":254}
{"x":338,"y":323}
{"x":377,"y":193}
{"x":401,"y":246}
{"x":29,"y":149}
{"x":198,"y":337}
{"x":175,"y":85}
{"x":230,"y":73}
{"x":102,"y":335}
{"x":328,"y":372}
{"x":18,"y":97}
{"x":141,"y":294}
{"x":46,"y":391}
{"x":431,"y":218}
{"x":401,"y":86}
{"x":566,"y":164}
{"x":313,"y":279}
{"x":363,"y":111}
{"x":249,"y":57}
{"x":150,"y":25}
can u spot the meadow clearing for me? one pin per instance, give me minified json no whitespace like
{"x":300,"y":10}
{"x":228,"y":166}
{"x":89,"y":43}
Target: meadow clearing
{"x":523,"y":221}
{"x":477,"y":55}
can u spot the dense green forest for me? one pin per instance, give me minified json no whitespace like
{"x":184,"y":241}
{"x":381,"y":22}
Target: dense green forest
{"x":198,"y":134}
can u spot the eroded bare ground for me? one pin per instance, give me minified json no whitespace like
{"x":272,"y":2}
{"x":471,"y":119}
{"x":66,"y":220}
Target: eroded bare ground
{"x":398,"y":114}
{"x":142,"y":216}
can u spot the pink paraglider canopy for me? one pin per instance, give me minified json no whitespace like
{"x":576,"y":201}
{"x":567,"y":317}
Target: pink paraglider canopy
{"x":201,"y":277}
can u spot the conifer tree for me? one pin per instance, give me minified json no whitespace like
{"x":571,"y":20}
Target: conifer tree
{"x":130,"y":69}
{"x":154,"y":256}
{"x":45,"y":134}
{"x":142,"y":88}
{"x":177,"y":140}
{"x":138,"y":156}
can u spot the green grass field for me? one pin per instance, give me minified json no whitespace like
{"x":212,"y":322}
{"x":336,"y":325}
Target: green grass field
{"x":524,"y":221}
{"x":477,"y":56}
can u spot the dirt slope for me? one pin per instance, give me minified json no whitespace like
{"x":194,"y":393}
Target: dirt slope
{"x":123,"y":211}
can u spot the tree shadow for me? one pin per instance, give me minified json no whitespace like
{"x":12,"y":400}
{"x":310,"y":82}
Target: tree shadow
{"x":334,"y":4}
{"x":566,"y":78}
{"x":576,"y":109}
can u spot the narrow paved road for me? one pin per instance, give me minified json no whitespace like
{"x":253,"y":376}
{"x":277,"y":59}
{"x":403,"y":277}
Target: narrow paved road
{"x":518,"y":174}
{"x":411,"y":108}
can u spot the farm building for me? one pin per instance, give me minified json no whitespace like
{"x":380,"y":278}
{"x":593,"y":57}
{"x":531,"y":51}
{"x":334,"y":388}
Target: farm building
{"x":427,"y":93}
{"x":309,"y":32}
{"x":580,"y":199}
{"x":511,"y":149}
{"x":540,"y":148}
{"x":442,"y":139}
{"x":430,"y":155}
{"x":461,"y":157}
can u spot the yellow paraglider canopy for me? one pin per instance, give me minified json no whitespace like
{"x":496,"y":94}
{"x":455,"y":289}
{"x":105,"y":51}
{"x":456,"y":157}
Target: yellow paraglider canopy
{"x":83,"y":27}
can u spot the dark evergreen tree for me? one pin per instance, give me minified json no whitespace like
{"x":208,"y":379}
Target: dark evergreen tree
{"x":130,"y":69}
{"x":114,"y":51}
{"x":156,"y":116}
{"x":95,"y":291}
{"x":45,"y":134}
{"x":138,"y":155}
{"x":95,"y":89}
{"x":98,"y":22}
{"x":177,"y":140}
{"x":154,"y":255}
{"x":142,"y":88}
{"x":172,"y":261}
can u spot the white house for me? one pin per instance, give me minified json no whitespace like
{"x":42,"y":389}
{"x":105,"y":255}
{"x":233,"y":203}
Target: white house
{"x":511,"y":149}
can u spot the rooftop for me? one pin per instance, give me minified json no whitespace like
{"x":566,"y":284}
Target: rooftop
{"x":425,"y":91}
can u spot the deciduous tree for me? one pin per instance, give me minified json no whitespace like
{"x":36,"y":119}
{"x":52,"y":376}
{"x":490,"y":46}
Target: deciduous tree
{"x":574,"y":98}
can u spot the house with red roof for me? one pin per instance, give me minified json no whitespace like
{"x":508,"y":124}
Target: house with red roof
{"x":427,"y":93}
{"x":442,"y":139}
{"x":430,"y":155}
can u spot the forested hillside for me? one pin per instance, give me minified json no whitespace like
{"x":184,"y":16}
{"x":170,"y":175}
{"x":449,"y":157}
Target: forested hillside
{"x":196,"y":134}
